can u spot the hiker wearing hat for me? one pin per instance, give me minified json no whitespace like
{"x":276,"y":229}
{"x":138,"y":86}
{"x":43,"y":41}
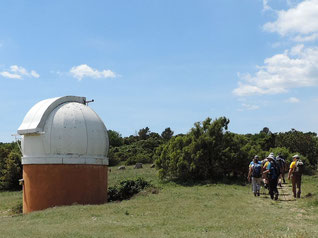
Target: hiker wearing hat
{"x":252,"y":162}
{"x":255,"y":172}
{"x":272,"y":175}
{"x":295,"y":173}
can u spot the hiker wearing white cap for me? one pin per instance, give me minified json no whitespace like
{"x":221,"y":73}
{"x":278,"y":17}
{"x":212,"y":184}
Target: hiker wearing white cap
{"x":272,"y":175}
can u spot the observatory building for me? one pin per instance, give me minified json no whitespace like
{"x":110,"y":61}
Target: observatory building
{"x":64,"y":146}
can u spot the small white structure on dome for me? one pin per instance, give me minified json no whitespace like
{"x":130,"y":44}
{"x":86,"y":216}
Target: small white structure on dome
{"x":65,"y":132}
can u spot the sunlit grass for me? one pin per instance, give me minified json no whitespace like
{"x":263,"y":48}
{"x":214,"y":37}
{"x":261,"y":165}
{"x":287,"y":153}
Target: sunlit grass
{"x":211,"y":210}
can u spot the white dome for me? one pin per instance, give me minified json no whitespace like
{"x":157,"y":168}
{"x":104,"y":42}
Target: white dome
{"x":63,"y":131}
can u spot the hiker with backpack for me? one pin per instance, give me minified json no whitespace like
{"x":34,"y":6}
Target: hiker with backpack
{"x":272,"y":173}
{"x":278,"y":163}
{"x":255,"y":172}
{"x":264,"y":176}
{"x":295,"y":172}
{"x":252,"y":162}
{"x":282,"y":164}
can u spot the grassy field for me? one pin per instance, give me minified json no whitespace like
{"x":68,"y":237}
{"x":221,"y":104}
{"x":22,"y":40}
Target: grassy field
{"x":210,"y":210}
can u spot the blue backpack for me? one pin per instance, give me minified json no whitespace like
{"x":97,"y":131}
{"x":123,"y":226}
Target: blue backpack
{"x":257,"y":171}
{"x":273,"y":171}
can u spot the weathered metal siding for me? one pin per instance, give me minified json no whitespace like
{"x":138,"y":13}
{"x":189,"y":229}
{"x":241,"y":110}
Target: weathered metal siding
{"x":50,"y":185}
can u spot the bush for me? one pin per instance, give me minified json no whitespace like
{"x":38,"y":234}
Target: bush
{"x":140,"y":151}
{"x":115,"y":138}
{"x":206,"y":152}
{"x":126,"y":189}
{"x":11,"y":172}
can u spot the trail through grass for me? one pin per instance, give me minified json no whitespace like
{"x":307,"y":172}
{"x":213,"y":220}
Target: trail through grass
{"x":210,"y":210}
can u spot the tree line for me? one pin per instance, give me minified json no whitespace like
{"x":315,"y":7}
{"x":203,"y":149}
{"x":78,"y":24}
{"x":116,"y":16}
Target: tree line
{"x":207,"y":151}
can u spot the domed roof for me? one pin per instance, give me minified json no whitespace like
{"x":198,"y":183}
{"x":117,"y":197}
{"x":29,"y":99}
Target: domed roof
{"x":63,"y":131}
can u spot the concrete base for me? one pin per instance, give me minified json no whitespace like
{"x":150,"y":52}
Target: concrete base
{"x":49,"y":185}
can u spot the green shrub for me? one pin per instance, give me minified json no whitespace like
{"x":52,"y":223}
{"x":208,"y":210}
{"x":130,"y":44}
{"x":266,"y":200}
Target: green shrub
{"x":206,"y":152}
{"x":11,"y":172}
{"x":126,"y":189}
{"x":140,"y":151}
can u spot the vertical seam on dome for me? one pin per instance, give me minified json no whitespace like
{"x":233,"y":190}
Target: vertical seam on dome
{"x":86,"y":131}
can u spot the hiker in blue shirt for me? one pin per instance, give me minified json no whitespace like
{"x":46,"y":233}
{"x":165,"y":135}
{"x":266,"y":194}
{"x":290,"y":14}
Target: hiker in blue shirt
{"x":272,"y":175}
{"x":255,"y":172}
{"x":252,"y":162}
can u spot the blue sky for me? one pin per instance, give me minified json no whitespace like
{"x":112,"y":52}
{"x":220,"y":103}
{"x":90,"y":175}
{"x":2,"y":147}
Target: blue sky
{"x":164,"y":63}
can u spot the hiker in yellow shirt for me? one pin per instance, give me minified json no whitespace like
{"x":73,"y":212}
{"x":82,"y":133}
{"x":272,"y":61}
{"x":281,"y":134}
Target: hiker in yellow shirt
{"x":295,"y":173}
{"x":265,"y":180}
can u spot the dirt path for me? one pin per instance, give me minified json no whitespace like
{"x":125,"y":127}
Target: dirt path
{"x":285,"y":193}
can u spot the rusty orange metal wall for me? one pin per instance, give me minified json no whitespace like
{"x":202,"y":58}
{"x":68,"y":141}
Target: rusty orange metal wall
{"x":51,"y":185}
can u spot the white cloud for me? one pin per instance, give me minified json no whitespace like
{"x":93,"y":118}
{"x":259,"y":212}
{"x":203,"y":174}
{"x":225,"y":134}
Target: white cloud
{"x":34,"y":74}
{"x":300,"y":22}
{"x":6,"y":74}
{"x":18,"y":72}
{"x":295,"y":68}
{"x":300,"y":38}
{"x":266,"y":7}
{"x":250,"y":107}
{"x":296,"y":50}
{"x":292,"y":100}
{"x":85,"y":71}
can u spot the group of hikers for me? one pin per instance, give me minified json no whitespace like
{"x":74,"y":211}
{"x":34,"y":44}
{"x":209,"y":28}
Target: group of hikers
{"x":270,"y":173}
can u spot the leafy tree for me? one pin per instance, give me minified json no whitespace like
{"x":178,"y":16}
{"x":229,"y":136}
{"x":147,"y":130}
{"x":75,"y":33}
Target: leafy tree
{"x":303,"y":143}
{"x":144,"y":133}
{"x":167,"y":134}
{"x":12,"y":172}
{"x":154,"y":135}
{"x":115,"y":138}
{"x":264,"y":140}
{"x":265,"y":130}
{"x":198,"y":155}
{"x":131,"y":139}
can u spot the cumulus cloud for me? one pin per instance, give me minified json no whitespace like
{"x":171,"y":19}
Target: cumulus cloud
{"x":300,"y":21}
{"x":84,"y":71}
{"x":294,"y":68}
{"x":292,"y":100}
{"x":18,"y":72}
